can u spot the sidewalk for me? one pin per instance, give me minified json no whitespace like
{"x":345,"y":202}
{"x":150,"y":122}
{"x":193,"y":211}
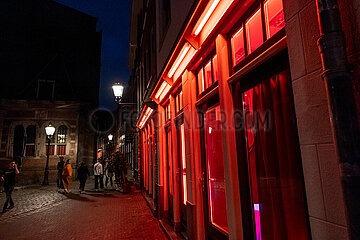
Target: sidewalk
{"x":42,"y":213}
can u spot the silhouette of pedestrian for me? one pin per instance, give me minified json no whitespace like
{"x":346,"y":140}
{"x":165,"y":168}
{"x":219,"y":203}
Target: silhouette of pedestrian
{"x":82,"y":174}
{"x":8,"y":177}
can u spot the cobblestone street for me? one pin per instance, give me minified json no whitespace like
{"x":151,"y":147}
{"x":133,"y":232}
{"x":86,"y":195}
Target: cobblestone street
{"x":42,"y":213}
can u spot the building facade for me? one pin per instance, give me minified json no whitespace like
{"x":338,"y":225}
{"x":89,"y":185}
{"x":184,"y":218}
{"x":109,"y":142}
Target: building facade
{"x":50,"y":58}
{"x":240,"y":137}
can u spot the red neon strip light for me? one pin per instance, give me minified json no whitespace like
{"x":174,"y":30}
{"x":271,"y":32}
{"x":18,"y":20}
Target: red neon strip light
{"x":145,"y":117}
{"x":177,"y":62}
{"x":206,"y":17}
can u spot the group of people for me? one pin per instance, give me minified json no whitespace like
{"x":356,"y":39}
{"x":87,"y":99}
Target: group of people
{"x":114,"y":167}
{"x":110,"y":168}
{"x":64,"y":176}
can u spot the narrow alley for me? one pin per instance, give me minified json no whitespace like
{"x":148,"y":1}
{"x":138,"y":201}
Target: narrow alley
{"x":42,"y":213}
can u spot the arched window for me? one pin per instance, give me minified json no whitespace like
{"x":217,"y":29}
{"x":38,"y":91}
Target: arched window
{"x":61,"y":140}
{"x":18,"y":149}
{"x":30,"y":140}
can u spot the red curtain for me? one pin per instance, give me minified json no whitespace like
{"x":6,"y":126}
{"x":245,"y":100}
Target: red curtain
{"x":274,"y":160}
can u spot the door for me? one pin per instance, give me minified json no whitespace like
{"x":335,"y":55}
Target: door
{"x":169,"y":173}
{"x":213,"y":175}
{"x":270,"y":161}
{"x":182,"y":174}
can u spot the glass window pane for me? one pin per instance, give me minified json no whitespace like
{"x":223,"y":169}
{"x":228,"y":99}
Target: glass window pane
{"x":61,"y":136}
{"x":274,"y":16}
{"x":183,"y":164}
{"x":30,"y":134}
{"x":200,"y":76}
{"x":237,"y":46}
{"x":208,"y":75}
{"x":181,"y":100}
{"x":215,"y":169}
{"x":215,"y":68}
{"x":254,"y":31}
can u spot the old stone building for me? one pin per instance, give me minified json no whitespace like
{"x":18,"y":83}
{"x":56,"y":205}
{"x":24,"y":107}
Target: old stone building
{"x":50,"y":61}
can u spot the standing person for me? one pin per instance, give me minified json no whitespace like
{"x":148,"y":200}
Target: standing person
{"x":109,"y":172}
{"x":82,"y":174}
{"x":59,"y":180}
{"x":98,"y":173}
{"x":8,"y":177}
{"x":67,"y":175}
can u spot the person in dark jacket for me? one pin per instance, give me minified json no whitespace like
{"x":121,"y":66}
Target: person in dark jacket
{"x":82,"y":174}
{"x":59,"y":180}
{"x":8,"y":177}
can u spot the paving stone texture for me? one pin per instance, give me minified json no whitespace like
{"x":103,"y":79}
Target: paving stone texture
{"x":43,"y":213}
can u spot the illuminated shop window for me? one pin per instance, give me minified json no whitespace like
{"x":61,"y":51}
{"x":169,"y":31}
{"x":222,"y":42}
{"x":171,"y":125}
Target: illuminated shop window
{"x":274,"y":165}
{"x":208,"y":74}
{"x":274,"y":17}
{"x":30,"y":140}
{"x":178,"y":102}
{"x":237,"y":46}
{"x":215,"y":176}
{"x":252,"y":30}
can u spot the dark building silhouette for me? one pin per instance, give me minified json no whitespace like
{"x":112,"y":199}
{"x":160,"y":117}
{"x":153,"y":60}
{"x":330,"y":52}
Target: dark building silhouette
{"x":50,"y":72}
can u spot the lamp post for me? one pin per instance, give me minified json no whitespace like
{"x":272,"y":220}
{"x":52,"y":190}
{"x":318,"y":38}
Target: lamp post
{"x":50,"y":130}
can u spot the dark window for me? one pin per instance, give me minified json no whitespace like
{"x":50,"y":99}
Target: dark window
{"x":18,"y":148}
{"x":167,"y":112}
{"x":30,"y":140}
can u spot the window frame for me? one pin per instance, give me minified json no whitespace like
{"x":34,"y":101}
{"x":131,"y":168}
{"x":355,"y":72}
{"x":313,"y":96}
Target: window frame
{"x":214,"y":83}
{"x":267,"y":43}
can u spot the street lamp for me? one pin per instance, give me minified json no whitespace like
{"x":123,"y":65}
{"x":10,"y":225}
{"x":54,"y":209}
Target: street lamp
{"x":118,"y":90}
{"x":110,"y":137}
{"x":50,"y":130}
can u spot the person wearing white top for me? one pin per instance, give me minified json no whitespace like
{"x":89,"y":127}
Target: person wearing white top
{"x":98,"y":173}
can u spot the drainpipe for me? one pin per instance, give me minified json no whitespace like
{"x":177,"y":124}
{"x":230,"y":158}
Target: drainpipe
{"x":336,"y":74}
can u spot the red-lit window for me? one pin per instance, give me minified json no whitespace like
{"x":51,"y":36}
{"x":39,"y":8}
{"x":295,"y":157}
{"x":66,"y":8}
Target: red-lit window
{"x":208,"y":74}
{"x":51,"y":150}
{"x":61,"y":149}
{"x":274,"y":17}
{"x":178,"y":102}
{"x":215,"y":176}
{"x":237,"y":46}
{"x":252,"y":29}
{"x":274,"y":165}
{"x":167,"y":112}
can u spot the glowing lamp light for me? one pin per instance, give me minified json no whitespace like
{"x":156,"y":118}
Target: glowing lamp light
{"x":118,"y":90}
{"x":50,"y":130}
{"x":110,"y":137}
{"x":206,"y":17}
{"x":145,"y":117}
{"x":179,"y":59}
{"x":164,"y":88}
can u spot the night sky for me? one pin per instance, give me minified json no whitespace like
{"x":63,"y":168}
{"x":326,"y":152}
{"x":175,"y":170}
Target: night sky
{"x":113,"y":19}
